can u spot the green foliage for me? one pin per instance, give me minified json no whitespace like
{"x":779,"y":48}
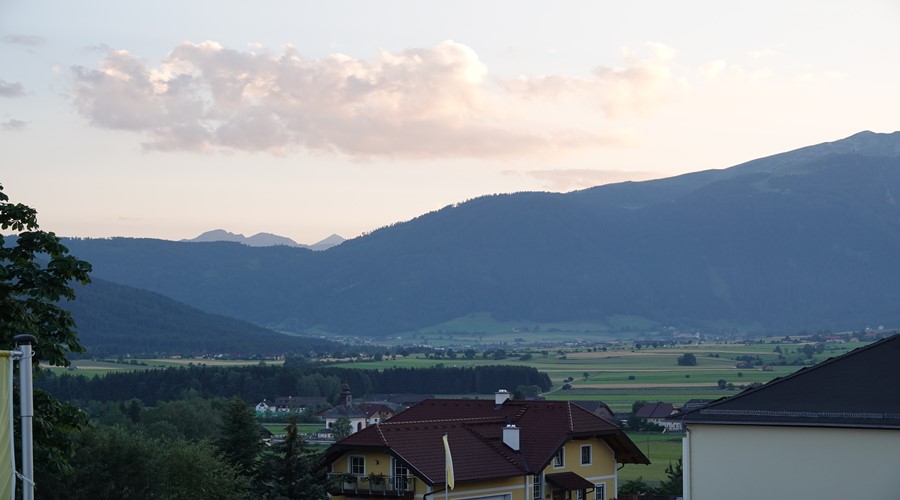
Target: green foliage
{"x":674,"y":483}
{"x":253,"y":383}
{"x":113,"y":463}
{"x":36,"y":273}
{"x":688,"y":359}
{"x":193,"y":419}
{"x":289,"y":469}
{"x":341,"y":429}
{"x":239,"y":436}
{"x":635,"y":486}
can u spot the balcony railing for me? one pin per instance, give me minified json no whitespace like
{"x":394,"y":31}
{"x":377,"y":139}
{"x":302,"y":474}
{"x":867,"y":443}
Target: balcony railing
{"x":378,"y":486}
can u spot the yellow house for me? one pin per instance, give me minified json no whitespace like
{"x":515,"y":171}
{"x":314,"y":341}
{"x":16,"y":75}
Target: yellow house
{"x":501,"y":450}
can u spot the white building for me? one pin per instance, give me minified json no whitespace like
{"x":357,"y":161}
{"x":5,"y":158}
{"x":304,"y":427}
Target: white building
{"x":827,"y":432}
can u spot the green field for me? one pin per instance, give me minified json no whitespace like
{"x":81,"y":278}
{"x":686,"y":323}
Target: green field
{"x":617,"y":376}
{"x":278,"y":429}
{"x":623,"y":374}
{"x":661,"y":449}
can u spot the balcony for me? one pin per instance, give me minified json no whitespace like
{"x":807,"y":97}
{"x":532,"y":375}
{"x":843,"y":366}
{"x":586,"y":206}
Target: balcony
{"x":372,"y":486}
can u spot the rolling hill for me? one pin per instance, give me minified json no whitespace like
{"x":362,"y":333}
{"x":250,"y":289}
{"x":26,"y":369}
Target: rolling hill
{"x":806,"y":239}
{"x":116,"y":319}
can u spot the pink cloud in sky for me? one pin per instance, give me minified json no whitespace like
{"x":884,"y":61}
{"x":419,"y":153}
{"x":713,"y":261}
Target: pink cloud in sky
{"x":418,"y":103}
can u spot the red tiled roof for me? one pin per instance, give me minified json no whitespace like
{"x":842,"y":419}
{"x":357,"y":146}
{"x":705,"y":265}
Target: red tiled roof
{"x":474,"y":429}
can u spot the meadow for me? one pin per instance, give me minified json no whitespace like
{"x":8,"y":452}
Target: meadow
{"x":661,"y":449}
{"x":619,"y":376}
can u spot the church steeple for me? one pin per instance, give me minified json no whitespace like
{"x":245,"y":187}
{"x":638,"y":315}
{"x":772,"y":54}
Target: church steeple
{"x":346,"y":396}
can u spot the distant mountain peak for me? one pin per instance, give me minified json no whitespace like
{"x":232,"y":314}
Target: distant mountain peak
{"x":263,"y":240}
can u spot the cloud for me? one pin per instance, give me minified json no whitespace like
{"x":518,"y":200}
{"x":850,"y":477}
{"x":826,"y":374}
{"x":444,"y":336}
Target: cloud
{"x":11,"y":89}
{"x":417,"y":103}
{"x":27,"y":40}
{"x":569,"y":179}
{"x":13,"y":125}
{"x":634,"y":88}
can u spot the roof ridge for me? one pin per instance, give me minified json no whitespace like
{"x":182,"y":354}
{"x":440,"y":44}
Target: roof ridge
{"x":499,"y":450}
{"x":381,"y":435}
{"x":791,"y":376}
{"x":439,"y":420}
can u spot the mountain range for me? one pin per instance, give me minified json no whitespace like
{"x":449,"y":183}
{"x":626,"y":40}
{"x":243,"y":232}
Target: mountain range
{"x":806,"y":239}
{"x":264,"y":240}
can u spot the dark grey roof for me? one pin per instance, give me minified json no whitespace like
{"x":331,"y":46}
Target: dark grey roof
{"x":655,"y":410}
{"x":598,"y":408}
{"x":858,"y":389}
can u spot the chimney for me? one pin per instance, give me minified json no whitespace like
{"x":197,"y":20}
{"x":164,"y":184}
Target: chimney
{"x":501,"y":396}
{"x":511,"y":436}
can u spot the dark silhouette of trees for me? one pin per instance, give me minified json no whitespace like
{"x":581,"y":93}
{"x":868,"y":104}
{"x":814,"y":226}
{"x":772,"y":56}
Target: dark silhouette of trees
{"x":688,"y":359}
{"x":36,"y":276}
{"x":239,"y":437}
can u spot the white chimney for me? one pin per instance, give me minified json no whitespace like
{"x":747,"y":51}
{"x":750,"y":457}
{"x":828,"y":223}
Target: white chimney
{"x":501,"y":396}
{"x":511,"y":436}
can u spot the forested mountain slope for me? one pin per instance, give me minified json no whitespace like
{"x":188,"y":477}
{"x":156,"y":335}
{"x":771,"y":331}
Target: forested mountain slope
{"x":804,"y":239}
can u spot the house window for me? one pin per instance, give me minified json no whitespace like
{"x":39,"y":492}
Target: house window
{"x":600,"y":491}
{"x":538,"y":487}
{"x":559,"y":460}
{"x":579,"y":494}
{"x":586,"y":454}
{"x":401,"y":476}
{"x":358,"y":465}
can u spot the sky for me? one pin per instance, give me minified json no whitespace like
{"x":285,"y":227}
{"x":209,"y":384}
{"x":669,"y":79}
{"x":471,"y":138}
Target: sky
{"x":166,"y":119}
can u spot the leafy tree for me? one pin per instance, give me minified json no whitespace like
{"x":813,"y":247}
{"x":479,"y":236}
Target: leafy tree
{"x":674,"y":483}
{"x":239,"y":438}
{"x":291,"y":469}
{"x":36,"y":273}
{"x":636,"y":423}
{"x":114,"y":463}
{"x":688,"y":359}
{"x":635,"y":486}
{"x":585,"y":375}
{"x":341,"y":429}
{"x":722,"y":383}
{"x":637,"y":405}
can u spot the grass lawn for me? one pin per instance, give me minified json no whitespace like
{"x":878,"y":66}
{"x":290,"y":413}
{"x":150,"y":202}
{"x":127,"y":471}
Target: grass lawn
{"x":661,"y":449}
{"x":278,"y":428}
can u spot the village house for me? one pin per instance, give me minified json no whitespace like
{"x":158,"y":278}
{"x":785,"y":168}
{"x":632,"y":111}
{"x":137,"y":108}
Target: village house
{"x":827,"y":431}
{"x":501,"y":450}
{"x":290,"y":404}
{"x":659,"y":413}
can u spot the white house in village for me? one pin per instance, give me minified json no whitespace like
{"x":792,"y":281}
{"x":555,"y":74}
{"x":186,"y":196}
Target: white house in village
{"x":346,"y":409}
{"x":829,"y":431}
{"x":289,"y":404}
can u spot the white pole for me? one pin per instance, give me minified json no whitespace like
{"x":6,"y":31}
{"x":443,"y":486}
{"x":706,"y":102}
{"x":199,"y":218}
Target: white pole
{"x":26,"y":411}
{"x":446,"y":471}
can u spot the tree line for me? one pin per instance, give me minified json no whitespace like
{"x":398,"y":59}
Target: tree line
{"x":254,"y":383}
{"x":187,"y":449}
